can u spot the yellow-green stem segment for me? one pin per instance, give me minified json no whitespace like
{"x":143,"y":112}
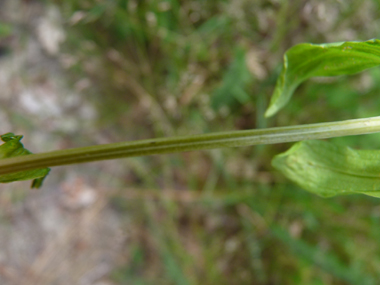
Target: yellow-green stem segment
{"x":191,"y":143}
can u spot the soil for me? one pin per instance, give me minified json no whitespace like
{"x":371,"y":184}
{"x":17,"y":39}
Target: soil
{"x":64,"y":233}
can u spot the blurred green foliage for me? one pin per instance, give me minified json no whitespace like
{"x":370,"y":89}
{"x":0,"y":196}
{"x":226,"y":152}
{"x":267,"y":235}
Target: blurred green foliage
{"x":5,"y":30}
{"x":174,"y":67}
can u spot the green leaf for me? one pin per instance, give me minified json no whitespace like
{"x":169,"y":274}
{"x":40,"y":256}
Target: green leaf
{"x":307,"y":60}
{"x":328,"y":169}
{"x":13,"y":147}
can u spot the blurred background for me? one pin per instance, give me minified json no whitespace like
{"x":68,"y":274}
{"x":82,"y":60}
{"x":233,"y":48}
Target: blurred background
{"x":77,"y":73}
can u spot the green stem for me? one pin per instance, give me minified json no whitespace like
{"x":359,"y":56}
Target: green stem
{"x":190,"y":143}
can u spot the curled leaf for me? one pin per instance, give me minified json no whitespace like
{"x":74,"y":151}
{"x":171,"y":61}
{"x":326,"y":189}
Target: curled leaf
{"x":328,"y":169}
{"x":307,"y":60}
{"x":13,"y":147}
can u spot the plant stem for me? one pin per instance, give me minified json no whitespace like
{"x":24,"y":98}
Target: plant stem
{"x":190,"y":143}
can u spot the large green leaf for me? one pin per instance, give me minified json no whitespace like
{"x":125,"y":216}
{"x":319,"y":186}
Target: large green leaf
{"x":307,"y":60}
{"x":13,"y":147}
{"x":328,"y":169}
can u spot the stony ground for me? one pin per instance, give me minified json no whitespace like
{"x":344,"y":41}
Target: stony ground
{"x":64,"y":233}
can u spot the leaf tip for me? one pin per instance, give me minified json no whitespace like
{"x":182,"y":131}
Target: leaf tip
{"x":271,"y":110}
{"x":37,"y":183}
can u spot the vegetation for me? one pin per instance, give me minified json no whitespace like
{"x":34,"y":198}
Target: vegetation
{"x":206,"y":66}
